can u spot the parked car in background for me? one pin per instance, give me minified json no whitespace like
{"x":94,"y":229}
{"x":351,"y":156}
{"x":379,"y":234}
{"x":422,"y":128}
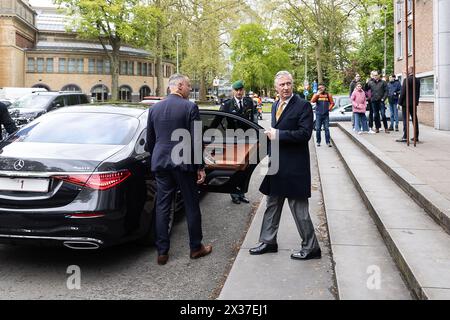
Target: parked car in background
{"x":151,"y":100}
{"x":71,"y":178}
{"x":268,"y":100}
{"x":31,"y":106}
{"x":11,"y":94}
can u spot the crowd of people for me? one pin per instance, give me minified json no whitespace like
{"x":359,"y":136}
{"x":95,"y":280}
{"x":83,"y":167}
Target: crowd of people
{"x":374,"y":95}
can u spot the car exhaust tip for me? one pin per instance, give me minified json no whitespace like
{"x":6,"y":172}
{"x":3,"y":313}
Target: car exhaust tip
{"x":81,"y":245}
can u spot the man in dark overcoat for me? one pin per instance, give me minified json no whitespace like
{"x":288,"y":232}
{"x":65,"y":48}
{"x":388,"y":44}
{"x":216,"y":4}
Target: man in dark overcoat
{"x":292,"y":126}
{"x":402,"y":102}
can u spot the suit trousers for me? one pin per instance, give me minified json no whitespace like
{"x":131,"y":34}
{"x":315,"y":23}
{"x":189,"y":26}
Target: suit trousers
{"x":166,"y":186}
{"x":300,"y":212}
{"x":406,"y":122}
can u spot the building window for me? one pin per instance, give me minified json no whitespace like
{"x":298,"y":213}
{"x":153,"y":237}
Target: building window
{"x":143,"y":92}
{"x":125,"y":93}
{"x":409,"y":6}
{"x":399,"y":45}
{"x":81,"y":65}
{"x":71,"y":87}
{"x":31,"y":65}
{"x":139,"y":68}
{"x":100,"y":66}
{"x":107,"y":66}
{"x":144,"y":69}
{"x":410,"y":50}
{"x":150,"y":69}
{"x":62,"y":65}
{"x":427,"y":87}
{"x":91,"y":66}
{"x":49,"y":67}
{"x":123,"y":67}
{"x":399,"y":12}
{"x":130,"y":68}
{"x":100,"y":92}
{"x":40,"y":65}
{"x":72,"y":65}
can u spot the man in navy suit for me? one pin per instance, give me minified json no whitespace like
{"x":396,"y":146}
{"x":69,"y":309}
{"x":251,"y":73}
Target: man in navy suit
{"x":292,"y":126}
{"x":174,"y":114}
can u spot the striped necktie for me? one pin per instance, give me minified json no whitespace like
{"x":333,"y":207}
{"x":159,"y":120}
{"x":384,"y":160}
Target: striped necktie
{"x":280,"y":110}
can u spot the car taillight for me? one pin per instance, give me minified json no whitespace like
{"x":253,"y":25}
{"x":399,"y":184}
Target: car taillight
{"x":97,"y":181}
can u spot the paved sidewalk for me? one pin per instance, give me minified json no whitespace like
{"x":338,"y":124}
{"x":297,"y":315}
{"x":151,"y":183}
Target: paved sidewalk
{"x":275,"y":276}
{"x":429,"y":161}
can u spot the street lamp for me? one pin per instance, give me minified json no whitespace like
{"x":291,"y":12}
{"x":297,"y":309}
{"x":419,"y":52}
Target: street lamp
{"x":178,"y":59}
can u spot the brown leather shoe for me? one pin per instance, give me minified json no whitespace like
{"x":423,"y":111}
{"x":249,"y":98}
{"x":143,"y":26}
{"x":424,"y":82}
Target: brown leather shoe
{"x":162,"y":259}
{"x":203,"y":251}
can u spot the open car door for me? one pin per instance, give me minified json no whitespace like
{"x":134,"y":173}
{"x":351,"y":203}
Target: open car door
{"x":231,"y":147}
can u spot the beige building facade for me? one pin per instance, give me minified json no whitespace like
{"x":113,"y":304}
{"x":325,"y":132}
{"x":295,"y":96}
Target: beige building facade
{"x":37,"y":51}
{"x":432,"y":35}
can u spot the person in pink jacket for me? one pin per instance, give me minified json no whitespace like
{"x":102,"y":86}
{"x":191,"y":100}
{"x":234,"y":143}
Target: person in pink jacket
{"x":359,"y":109}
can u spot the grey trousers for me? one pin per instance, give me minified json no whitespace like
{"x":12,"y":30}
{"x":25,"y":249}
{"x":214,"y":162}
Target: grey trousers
{"x":300,"y":212}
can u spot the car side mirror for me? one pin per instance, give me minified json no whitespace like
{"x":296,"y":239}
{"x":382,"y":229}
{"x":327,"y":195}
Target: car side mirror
{"x":343,"y":111}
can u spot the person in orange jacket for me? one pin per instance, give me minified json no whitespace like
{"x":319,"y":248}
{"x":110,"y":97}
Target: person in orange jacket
{"x":324,"y":104}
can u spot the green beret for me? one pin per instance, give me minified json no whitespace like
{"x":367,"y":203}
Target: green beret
{"x":238,"y":85}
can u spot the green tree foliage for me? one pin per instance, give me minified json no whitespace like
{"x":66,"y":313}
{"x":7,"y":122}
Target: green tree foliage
{"x":113,"y":23}
{"x":257,"y":56}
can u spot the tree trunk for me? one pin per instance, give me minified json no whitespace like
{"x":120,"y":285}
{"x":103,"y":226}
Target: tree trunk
{"x":202,"y":89}
{"x":318,"y":51}
{"x":115,"y":68}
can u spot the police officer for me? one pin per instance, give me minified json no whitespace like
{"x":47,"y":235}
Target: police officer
{"x":6,"y":121}
{"x":244,"y":107}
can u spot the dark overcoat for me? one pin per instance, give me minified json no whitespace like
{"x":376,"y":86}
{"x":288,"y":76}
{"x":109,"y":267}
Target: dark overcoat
{"x":295,"y":126}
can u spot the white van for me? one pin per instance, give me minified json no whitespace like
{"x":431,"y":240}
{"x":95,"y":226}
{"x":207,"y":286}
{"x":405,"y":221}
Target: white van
{"x":11,"y":94}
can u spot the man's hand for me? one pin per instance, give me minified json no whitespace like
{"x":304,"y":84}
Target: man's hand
{"x":271,"y":134}
{"x":201,"y":175}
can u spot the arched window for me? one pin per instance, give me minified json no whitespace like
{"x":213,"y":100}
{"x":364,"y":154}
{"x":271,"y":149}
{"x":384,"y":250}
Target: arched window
{"x":125,"y":93}
{"x":41,"y":85}
{"x":71,"y":87}
{"x":144,"y":91}
{"x":100,"y":92}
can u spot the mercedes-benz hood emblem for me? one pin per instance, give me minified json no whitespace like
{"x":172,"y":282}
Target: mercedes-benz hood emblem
{"x":19,"y":164}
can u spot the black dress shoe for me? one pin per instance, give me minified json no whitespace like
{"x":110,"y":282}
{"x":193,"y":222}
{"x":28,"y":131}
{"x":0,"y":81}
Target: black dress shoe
{"x":264,"y":248}
{"x":244,"y":199}
{"x":304,"y":255}
{"x":401,"y":140}
{"x":236,"y":200}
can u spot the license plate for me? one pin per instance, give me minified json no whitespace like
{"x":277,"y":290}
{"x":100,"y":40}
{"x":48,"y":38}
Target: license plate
{"x":24,"y":184}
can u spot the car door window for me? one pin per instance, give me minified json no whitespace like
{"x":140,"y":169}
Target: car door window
{"x":72,"y":100}
{"x":231,"y":146}
{"x":59,"y":102}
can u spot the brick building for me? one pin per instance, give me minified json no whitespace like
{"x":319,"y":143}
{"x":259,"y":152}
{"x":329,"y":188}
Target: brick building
{"x":432,"y":56}
{"x":37,"y":51}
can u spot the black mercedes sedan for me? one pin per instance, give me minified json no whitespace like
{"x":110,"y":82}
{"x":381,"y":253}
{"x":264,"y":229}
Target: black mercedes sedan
{"x":80,"y":176}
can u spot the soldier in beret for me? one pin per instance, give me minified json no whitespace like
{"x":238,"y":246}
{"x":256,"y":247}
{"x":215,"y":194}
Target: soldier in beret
{"x":242,"y":106}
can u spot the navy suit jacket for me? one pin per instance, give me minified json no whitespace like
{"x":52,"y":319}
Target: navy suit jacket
{"x":164,"y":118}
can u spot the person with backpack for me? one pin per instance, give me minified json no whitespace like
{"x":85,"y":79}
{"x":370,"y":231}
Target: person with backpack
{"x":324,"y":103}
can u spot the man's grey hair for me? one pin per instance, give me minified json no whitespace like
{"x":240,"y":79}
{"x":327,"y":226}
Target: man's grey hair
{"x":283,"y":73}
{"x":176,"y":78}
